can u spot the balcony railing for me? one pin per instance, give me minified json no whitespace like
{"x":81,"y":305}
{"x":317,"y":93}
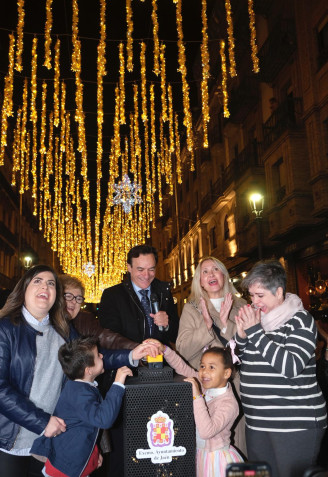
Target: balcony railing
{"x":287,"y":116}
{"x":246,"y":159}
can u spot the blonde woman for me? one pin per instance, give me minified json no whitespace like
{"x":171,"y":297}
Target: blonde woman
{"x":208,"y":318}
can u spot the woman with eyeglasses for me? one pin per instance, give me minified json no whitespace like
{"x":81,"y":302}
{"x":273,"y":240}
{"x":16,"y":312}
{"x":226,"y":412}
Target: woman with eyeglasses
{"x":85,"y":322}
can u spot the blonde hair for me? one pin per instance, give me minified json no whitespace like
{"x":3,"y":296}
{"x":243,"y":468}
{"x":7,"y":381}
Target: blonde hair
{"x":68,"y":281}
{"x":197,"y":291}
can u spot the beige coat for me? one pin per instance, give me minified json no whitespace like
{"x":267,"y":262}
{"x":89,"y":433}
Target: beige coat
{"x":194,"y":336}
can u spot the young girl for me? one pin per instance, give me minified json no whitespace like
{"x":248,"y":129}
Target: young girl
{"x":215,"y":407}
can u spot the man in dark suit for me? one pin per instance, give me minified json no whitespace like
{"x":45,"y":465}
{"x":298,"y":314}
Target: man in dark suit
{"x":126,"y":308}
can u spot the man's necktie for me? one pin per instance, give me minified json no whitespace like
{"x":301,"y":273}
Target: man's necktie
{"x":145,"y":303}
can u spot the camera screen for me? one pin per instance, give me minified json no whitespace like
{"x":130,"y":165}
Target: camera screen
{"x":255,"y":470}
{"x":248,"y":473}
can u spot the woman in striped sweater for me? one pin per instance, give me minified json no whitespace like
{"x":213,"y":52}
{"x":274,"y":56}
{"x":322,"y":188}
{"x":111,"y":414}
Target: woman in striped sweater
{"x":283,"y":404}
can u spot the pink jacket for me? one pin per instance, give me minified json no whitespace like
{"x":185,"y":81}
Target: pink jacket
{"x":215,"y":418}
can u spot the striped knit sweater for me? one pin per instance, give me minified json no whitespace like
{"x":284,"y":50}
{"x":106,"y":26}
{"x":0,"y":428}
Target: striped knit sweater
{"x":279,"y":389}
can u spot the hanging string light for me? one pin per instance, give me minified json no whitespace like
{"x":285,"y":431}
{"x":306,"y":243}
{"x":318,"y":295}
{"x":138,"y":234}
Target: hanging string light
{"x":161,"y":162}
{"x":159,"y":181}
{"x":76,"y":58}
{"x":205,"y":75}
{"x":163,"y":82}
{"x":122,"y":83}
{"x":22,"y":164}
{"x":34,"y":119}
{"x":62,"y":116}
{"x":43,"y":148}
{"x":137,"y":141}
{"x":7,"y":104}
{"x":129,"y":38}
{"x":226,"y":113}
{"x":49,"y":158}
{"x":9,"y":79}
{"x":255,"y":59}
{"x":25,"y":185}
{"x":231,"y":40}
{"x":67,"y":142}
{"x":170,"y":117}
{"x":155,"y":37}
{"x":101,"y":72}
{"x":133,"y":158}
{"x":34,"y":114}
{"x":56,"y":83}
{"x":116,"y":124}
{"x":4,"y":127}
{"x":144,"y":115}
{"x":24,"y":118}
{"x":177,"y":149}
{"x":47,"y":35}
{"x":152,"y":138}
{"x":185,"y":87}
{"x":56,"y":205}
{"x":20,"y":28}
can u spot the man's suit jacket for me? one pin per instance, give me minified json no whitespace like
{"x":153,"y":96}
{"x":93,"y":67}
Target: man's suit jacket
{"x":121,"y":311}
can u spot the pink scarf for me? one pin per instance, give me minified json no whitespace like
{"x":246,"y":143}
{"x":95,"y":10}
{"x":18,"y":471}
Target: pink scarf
{"x":282,"y":313}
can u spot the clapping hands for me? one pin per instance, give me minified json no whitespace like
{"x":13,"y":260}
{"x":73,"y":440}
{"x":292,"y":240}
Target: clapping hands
{"x":207,"y":319}
{"x":246,"y":318}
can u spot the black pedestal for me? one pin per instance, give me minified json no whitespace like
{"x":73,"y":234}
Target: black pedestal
{"x":158,"y":428}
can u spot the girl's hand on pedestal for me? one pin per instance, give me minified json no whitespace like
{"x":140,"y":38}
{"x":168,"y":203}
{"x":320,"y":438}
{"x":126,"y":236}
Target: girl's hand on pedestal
{"x":196,"y":390}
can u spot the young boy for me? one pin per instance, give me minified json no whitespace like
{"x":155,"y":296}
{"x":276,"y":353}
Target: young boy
{"x":74,"y":453}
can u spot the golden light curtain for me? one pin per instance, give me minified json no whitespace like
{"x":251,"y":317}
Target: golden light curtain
{"x":91,"y":238}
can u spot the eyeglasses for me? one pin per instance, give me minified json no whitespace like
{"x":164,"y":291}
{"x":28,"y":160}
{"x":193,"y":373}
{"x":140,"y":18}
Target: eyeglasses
{"x":71,"y":297}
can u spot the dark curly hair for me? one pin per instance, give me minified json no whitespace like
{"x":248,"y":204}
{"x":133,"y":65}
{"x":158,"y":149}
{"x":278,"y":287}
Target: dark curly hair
{"x":15,"y":301}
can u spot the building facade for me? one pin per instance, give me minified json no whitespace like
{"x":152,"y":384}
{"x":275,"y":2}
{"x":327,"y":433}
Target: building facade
{"x":275,"y":142}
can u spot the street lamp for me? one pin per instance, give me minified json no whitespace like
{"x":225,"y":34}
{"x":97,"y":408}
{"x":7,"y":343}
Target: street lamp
{"x":256,"y":201}
{"x":27,"y":262}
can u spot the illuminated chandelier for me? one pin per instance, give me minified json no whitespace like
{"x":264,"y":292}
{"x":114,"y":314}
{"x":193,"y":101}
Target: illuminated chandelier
{"x":127,"y":194}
